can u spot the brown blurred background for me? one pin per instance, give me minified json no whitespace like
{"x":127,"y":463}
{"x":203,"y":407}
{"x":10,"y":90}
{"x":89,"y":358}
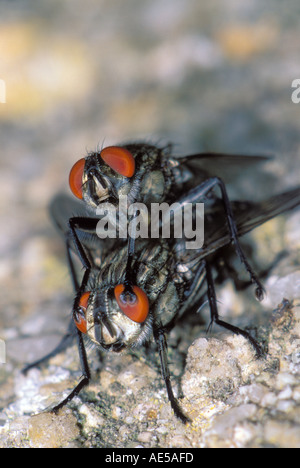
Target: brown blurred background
{"x":204,"y":75}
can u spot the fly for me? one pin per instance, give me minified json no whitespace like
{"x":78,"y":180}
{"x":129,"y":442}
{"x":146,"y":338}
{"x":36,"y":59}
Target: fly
{"x":168,"y":282}
{"x":148,"y":174}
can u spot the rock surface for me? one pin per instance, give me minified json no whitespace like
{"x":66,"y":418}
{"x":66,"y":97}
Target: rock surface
{"x":205,"y":77}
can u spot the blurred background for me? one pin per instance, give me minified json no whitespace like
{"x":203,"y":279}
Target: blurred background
{"x":203,"y":75}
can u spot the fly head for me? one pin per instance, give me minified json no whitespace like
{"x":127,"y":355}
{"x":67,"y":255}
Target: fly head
{"x":113,"y":318}
{"x":138,"y":171}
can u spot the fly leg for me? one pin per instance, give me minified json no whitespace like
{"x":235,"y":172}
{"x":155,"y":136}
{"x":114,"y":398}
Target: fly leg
{"x":89,"y":225}
{"x":197,"y":195}
{"x":59,"y":209}
{"x":239,"y":284}
{"x":68,"y":339}
{"x":129,"y":280}
{"x":83,"y":225}
{"x":161,"y":342}
{"x":86,"y":226}
{"x":211,"y":293}
{"x":65,"y":343}
{"x":73,"y":229}
{"x":85,"y":377}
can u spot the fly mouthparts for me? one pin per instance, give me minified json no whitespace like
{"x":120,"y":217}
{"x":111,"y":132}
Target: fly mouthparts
{"x":111,"y":330}
{"x":106,"y":334}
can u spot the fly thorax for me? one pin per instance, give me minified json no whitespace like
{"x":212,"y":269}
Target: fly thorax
{"x":182,"y":175}
{"x":167,"y":304}
{"x":153,"y":187}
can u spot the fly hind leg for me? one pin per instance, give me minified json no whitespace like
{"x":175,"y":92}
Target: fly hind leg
{"x":215,"y":314}
{"x":198,"y":194}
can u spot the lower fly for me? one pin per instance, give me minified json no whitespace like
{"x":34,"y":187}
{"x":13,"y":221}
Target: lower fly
{"x":168,"y":282}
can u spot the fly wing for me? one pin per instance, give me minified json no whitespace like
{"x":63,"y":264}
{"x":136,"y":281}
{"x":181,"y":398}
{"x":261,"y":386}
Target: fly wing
{"x":268,"y":209}
{"x":248,"y":216}
{"x":227,"y":157}
{"x":62,"y":208}
{"x":233,"y":169}
{"x":210,"y":162}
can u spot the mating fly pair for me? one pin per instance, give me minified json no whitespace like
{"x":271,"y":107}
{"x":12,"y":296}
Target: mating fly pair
{"x":132,"y":291}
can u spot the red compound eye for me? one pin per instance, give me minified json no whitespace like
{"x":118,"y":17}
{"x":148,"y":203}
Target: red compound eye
{"x":119,"y":159}
{"x":79,"y":317}
{"x":135,"y":306}
{"x":75,"y":178}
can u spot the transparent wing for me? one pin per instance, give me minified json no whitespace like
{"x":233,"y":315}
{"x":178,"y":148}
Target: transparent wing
{"x":248,"y":216}
{"x":236,"y":170}
{"x":62,"y":208}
